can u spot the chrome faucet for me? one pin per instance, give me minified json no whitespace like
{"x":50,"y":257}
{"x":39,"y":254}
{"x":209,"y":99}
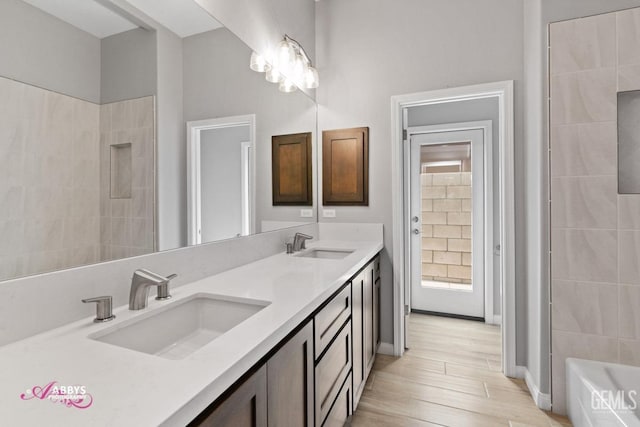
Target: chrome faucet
{"x":141,"y":281}
{"x":299,"y":241}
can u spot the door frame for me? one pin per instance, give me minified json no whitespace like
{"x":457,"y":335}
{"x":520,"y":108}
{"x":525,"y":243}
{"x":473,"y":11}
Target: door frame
{"x":504,"y":92}
{"x":486,"y":126}
{"x":248,"y":167}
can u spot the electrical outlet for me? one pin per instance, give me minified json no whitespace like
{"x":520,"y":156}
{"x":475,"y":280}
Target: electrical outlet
{"x":306,"y":213}
{"x":329,"y":213}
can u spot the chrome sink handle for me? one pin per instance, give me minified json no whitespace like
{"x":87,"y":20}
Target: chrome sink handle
{"x":141,"y":281}
{"x":163,"y":289}
{"x":299,"y":241}
{"x":104,"y":308}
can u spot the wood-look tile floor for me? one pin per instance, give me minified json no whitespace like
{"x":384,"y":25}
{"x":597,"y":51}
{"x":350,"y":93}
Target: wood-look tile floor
{"x":449,"y":377}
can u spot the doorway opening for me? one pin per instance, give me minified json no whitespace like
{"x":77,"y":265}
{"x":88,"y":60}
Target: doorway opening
{"x":451,"y":204}
{"x":498,"y":248}
{"x":221,"y":171}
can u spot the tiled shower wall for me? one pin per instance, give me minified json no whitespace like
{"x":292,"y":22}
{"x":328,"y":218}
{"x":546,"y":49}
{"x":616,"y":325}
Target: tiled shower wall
{"x":446,"y":227}
{"x":127,"y":135}
{"x":595,"y":236}
{"x":54,"y":199}
{"x":49,"y":180}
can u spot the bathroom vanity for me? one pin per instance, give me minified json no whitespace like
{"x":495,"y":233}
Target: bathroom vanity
{"x":307,"y":342}
{"x":337,"y":343}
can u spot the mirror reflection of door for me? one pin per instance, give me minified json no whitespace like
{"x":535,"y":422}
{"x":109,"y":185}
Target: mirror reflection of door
{"x":221,"y":183}
{"x":221,"y":174}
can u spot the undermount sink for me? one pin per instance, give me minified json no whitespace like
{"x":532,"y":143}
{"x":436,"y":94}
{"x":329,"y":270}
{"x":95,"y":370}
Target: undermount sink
{"x":325,"y":253}
{"x":183,"y":327}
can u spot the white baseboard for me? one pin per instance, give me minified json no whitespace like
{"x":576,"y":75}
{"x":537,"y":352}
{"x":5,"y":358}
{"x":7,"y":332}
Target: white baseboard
{"x":385,"y":348}
{"x":542,"y":400}
{"x":496,"y":319}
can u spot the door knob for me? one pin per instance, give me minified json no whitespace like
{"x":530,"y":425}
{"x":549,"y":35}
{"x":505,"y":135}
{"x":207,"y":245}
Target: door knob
{"x":415,"y":219}
{"x":416,"y":231}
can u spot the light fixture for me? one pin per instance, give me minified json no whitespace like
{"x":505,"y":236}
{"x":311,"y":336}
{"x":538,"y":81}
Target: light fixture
{"x":259,"y":63}
{"x":290,"y":67}
{"x":274,"y":75}
{"x":287,"y":85}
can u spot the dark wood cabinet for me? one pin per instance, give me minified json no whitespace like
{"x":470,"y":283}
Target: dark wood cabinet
{"x":290,"y":382}
{"x":246,"y":406}
{"x":358,"y":333}
{"x":376,"y":302}
{"x":345,"y":167}
{"x":368,"y":310}
{"x":366,"y":317}
{"x":291,"y":169}
{"x":315,"y":376}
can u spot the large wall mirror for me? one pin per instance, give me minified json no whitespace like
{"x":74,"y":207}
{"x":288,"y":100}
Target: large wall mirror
{"x":90,"y":174}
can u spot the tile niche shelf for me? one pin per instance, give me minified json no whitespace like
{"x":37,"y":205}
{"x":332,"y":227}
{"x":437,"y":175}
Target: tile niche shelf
{"x":121,"y":171}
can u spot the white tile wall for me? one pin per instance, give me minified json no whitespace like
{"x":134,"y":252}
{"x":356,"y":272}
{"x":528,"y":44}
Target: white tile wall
{"x":127,"y":224}
{"x":595,"y":232}
{"x":49,"y":180}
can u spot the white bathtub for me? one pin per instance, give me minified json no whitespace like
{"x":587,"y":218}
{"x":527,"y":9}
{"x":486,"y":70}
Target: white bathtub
{"x":602,"y":394}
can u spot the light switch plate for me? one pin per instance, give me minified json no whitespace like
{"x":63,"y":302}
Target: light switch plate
{"x":306,"y":213}
{"x":329,"y":213}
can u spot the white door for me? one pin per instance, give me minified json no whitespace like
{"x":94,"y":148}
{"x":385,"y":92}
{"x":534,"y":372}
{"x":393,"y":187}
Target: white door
{"x":447,"y":222}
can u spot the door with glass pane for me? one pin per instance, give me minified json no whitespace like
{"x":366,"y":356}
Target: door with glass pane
{"x":447,"y":222}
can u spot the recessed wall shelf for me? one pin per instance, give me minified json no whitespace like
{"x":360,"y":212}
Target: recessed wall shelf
{"x":121,"y":171}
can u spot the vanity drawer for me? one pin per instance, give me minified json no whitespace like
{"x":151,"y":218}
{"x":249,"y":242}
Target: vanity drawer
{"x":330,"y":319}
{"x":341,"y":409}
{"x":332,"y":371}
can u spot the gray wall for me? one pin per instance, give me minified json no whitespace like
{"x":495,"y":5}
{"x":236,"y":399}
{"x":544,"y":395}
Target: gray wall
{"x":128,"y":65}
{"x":171,"y":146}
{"x":423,"y":45}
{"x":218,"y":83}
{"x":471,"y":111}
{"x":60,"y":57}
{"x":221,"y":182}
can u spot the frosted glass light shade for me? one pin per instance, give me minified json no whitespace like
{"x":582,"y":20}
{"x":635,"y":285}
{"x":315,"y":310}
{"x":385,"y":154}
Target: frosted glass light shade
{"x":259,"y":63}
{"x":287,"y":86}
{"x":312,"y":80}
{"x":299,"y":71}
{"x":286,"y":57}
{"x":274,"y":75}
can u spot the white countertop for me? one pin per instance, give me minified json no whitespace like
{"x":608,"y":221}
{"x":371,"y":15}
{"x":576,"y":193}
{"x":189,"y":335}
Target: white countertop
{"x":139,"y":389}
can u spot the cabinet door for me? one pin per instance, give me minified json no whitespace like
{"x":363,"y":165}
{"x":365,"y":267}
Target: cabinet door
{"x":358,"y":355}
{"x":367,"y":304}
{"x":245,"y":407}
{"x":290,"y":382}
{"x":376,"y":315}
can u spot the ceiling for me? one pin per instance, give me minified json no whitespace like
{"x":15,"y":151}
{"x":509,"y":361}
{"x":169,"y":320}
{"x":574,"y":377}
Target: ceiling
{"x":89,"y":16}
{"x":183,"y":17}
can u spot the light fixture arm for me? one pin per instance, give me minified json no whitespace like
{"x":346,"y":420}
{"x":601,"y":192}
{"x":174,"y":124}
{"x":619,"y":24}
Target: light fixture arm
{"x":298,"y":48}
